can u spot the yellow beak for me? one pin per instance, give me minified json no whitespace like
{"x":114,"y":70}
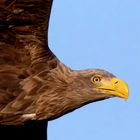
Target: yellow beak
{"x":115,"y":87}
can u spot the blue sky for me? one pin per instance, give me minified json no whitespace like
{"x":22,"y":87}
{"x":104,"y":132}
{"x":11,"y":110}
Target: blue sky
{"x":99,"y":34}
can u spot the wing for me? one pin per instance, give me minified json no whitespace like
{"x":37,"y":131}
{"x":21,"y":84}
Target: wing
{"x":24,"y":32}
{"x":24,"y":50}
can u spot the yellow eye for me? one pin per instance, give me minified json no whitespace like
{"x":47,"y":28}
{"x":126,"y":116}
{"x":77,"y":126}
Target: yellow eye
{"x":96,"y":79}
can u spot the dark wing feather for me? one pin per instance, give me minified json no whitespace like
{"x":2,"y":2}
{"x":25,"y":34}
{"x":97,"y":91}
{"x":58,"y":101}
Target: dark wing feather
{"x":24,"y":50}
{"x":24,"y":32}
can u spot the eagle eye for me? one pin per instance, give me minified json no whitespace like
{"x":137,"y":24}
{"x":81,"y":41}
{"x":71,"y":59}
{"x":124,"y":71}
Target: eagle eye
{"x":96,"y":79}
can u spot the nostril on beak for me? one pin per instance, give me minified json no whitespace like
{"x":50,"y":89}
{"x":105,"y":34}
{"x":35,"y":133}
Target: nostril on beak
{"x":116,"y":82}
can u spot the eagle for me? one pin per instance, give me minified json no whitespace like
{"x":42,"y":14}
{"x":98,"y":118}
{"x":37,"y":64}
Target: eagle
{"x":35,"y":86}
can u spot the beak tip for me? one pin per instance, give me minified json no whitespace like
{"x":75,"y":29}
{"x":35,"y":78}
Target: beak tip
{"x":122,"y":88}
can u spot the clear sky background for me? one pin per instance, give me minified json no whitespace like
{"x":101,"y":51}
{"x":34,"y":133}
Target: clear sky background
{"x":99,"y":34}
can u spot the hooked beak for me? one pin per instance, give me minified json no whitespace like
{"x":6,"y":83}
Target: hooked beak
{"x":116,"y":87}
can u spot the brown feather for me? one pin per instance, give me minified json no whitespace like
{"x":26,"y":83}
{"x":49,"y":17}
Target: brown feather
{"x":24,"y":52}
{"x":24,"y":32}
{"x":34,"y":84}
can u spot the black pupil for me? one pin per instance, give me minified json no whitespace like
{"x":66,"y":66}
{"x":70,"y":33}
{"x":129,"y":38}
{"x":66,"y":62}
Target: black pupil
{"x":97,"y":79}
